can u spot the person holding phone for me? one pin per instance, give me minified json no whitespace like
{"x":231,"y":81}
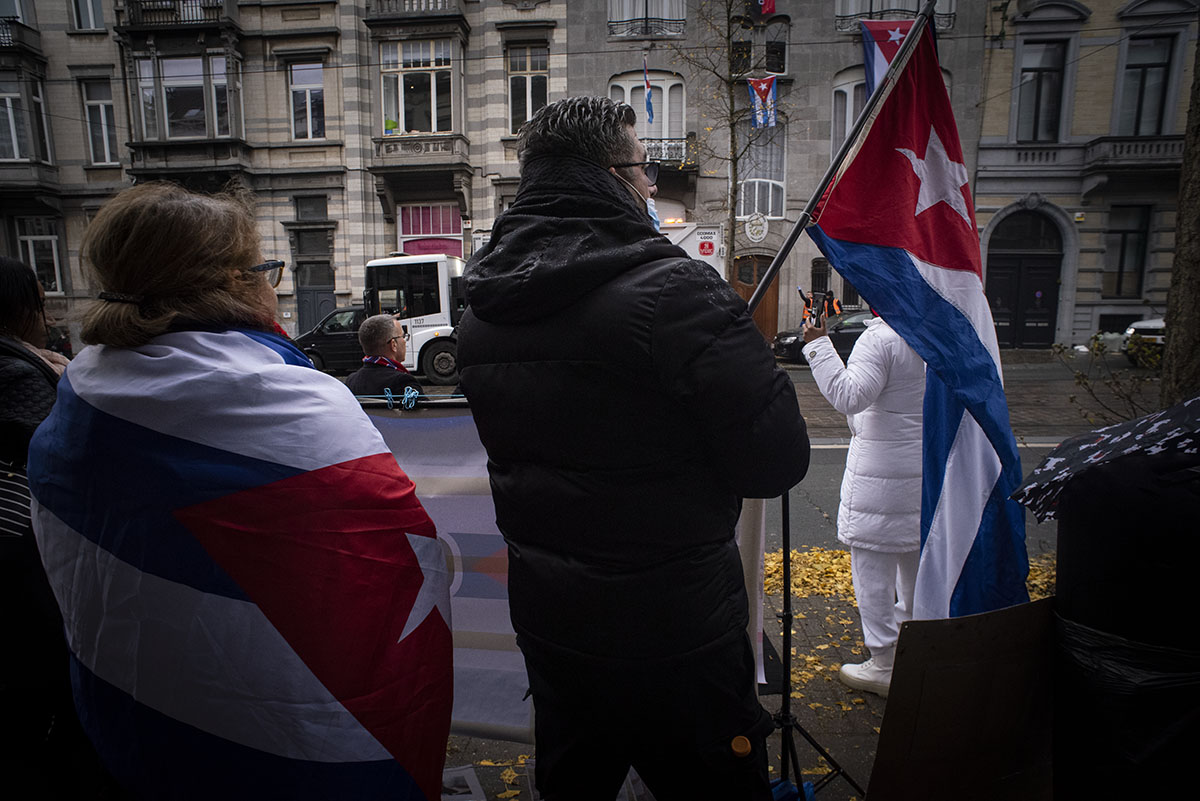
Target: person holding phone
{"x":880,"y":389}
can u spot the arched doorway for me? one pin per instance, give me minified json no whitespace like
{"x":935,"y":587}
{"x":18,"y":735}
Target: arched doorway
{"x":1023,"y":267}
{"x":747,"y":272}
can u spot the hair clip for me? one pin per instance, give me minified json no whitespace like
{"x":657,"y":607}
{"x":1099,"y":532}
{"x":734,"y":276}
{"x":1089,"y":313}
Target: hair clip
{"x":120,"y":297}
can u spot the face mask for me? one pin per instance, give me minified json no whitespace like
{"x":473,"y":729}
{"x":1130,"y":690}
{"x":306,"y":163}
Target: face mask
{"x":653,"y":212}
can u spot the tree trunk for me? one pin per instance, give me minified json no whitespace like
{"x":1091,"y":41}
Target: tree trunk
{"x":1181,"y":362}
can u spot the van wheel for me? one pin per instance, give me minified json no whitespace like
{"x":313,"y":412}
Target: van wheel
{"x":439,"y":362}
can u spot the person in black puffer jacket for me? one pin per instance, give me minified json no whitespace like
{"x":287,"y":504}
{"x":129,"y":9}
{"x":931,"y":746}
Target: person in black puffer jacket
{"x":627,"y":403}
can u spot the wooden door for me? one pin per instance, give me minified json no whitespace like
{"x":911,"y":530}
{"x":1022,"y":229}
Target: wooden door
{"x":747,"y":272}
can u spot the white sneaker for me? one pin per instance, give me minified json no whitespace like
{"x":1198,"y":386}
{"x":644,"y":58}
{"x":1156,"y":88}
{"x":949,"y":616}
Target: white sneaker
{"x":868,"y":676}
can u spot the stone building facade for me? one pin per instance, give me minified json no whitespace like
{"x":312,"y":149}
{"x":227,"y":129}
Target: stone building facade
{"x":376,"y":126}
{"x":1084,"y":111}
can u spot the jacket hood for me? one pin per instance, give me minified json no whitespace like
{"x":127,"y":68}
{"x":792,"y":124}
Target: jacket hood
{"x":573,"y":227}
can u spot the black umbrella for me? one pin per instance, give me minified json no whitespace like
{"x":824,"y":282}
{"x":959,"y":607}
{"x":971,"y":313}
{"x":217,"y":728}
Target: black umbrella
{"x":1172,"y":433}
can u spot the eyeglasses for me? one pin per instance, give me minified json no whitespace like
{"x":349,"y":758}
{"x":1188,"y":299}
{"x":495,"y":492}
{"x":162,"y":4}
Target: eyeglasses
{"x":650,"y":168}
{"x":273,"y":269}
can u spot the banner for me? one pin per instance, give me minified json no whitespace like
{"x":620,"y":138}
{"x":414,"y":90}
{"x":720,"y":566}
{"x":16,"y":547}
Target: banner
{"x":762,"y":98}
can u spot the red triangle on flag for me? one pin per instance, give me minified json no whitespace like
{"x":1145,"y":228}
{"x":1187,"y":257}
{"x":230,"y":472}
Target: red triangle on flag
{"x":325,"y":556}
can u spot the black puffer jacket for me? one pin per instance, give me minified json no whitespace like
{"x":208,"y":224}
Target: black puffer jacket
{"x":627,"y":404}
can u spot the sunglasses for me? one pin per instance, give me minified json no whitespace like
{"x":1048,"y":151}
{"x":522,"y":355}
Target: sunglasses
{"x":650,"y":168}
{"x":273,"y":269}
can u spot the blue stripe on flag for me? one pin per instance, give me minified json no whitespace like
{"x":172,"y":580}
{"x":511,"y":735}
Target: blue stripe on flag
{"x":962,"y":376}
{"x":172,"y":754}
{"x":124,"y":463}
{"x":286,"y":350}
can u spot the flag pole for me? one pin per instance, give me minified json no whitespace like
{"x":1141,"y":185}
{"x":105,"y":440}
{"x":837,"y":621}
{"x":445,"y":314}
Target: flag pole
{"x":851,"y":141}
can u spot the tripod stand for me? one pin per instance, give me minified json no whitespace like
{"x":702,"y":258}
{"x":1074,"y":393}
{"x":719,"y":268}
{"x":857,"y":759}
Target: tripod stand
{"x":785,"y":720}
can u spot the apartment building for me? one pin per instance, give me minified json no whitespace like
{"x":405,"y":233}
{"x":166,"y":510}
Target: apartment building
{"x":375,"y":126}
{"x":1085,"y":106}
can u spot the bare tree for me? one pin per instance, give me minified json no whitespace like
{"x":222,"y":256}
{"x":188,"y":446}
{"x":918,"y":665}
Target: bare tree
{"x":722,"y":51}
{"x":1181,"y":365}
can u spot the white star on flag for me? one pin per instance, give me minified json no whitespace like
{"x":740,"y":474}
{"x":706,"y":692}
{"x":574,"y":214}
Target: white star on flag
{"x":895,"y":36}
{"x":941,"y":179}
{"x":434,"y":592}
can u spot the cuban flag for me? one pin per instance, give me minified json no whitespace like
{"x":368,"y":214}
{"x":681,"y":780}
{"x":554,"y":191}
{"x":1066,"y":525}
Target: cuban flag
{"x":898,"y":222}
{"x":762,"y":100}
{"x":649,"y":92}
{"x":255,"y":601}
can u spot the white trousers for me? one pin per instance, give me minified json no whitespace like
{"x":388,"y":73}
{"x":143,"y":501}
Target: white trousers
{"x":883,"y":584}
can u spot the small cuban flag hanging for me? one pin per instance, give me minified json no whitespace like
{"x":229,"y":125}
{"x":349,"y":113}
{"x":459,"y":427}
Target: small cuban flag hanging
{"x":762,"y":97}
{"x":649,"y":91}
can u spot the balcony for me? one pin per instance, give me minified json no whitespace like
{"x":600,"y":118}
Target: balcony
{"x":194,"y":162}
{"x":1146,"y":153}
{"x":411,"y":10}
{"x":679,"y":154}
{"x":647,"y":27}
{"x":849,"y":12}
{"x":170,"y":13}
{"x":421,"y":151}
{"x":19,"y":36}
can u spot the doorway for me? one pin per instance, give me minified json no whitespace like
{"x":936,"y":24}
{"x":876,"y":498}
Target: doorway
{"x":1023,"y":270}
{"x":314,"y":293}
{"x":747,"y":272}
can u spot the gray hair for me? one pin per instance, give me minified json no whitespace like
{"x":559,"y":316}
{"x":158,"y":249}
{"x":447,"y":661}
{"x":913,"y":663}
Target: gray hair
{"x":375,"y":332}
{"x":593,"y":128}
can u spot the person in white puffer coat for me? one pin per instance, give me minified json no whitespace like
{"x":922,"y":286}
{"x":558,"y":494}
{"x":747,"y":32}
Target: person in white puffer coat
{"x":880,"y":389}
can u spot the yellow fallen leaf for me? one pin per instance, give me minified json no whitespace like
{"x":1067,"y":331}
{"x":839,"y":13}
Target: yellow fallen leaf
{"x":857,"y":701}
{"x":508,"y":776}
{"x":814,"y":705}
{"x":508,"y":794}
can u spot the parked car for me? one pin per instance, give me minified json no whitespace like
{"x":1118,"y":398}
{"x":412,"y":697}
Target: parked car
{"x":333,"y":343}
{"x":1152,"y":336}
{"x":844,"y":330}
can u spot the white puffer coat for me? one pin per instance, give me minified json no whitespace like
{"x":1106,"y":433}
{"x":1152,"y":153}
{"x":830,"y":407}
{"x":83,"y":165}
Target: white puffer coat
{"x":880,"y":390}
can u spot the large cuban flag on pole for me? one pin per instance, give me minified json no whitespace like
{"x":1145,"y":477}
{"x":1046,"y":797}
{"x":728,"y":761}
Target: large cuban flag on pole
{"x":898,"y":223}
{"x":255,"y":601}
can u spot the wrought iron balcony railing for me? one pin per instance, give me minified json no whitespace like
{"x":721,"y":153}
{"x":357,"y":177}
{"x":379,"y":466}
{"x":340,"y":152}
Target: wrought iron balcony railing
{"x":666,"y":149}
{"x":849,"y":12}
{"x":411,"y":8}
{"x":178,"y":12}
{"x":14,"y":33}
{"x":647,"y":26}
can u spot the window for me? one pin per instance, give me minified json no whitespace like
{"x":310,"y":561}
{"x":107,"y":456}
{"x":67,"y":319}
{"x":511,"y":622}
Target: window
{"x":41,"y":123}
{"x":663,"y":137}
{"x":762,"y":168}
{"x":37,"y":243}
{"x":1039,"y":98}
{"x":11,"y":8}
{"x":1144,"y":88}
{"x":23,"y":135}
{"x":528,"y":77}
{"x":308,"y":101}
{"x":1125,"y":244}
{"x":312,"y":207}
{"x":431,"y":229}
{"x":758,"y":47}
{"x":417,"y":94}
{"x":14,"y":128}
{"x":187,"y":97}
{"x":102,"y":127}
{"x":849,"y":98}
{"x":646,"y":17}
{"x":88,"y":15}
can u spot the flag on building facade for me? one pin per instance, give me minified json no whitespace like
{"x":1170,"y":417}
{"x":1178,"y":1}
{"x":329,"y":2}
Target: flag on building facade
{"x":649,"y":92}
{"x":761,"y":8}
{"x":762,"y":99}
{"x":255,"y":602}
{"x":898,"y":223}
